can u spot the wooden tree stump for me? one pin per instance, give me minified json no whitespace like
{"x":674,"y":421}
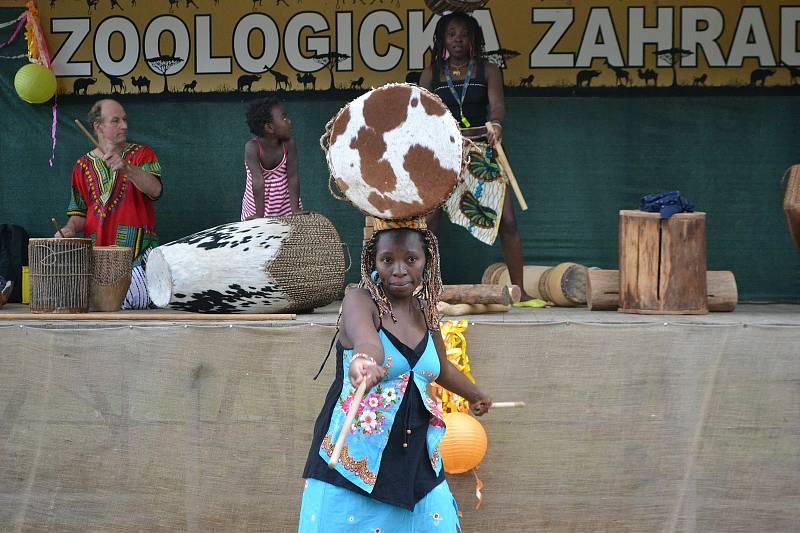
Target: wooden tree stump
{"x":662,"y":263}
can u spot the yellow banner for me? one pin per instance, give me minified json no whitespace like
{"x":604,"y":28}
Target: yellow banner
{"x":189,"y":46}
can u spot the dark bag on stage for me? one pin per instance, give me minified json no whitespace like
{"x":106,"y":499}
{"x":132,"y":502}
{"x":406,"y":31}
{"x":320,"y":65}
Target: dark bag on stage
{"x":666,"y":203}
{"x":13,"y":255}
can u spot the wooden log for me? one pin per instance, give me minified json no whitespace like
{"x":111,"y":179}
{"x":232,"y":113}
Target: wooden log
{"x":722,"y":292}
{"x":480,"y":294}
{"x":662,"y":263}
{"x":602,"y":290}
{"x":497,"y":274}
{"x":445,"y":308}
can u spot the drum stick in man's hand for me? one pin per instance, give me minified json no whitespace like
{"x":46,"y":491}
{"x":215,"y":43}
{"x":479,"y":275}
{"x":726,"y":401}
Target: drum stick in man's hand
{"x":503,"y":160}
{"x":58,"y":228}
{"x":88,"y":135}
{"x":351,"y":414}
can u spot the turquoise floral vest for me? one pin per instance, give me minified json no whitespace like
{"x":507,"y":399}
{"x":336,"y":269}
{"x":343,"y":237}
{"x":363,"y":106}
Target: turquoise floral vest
{"x":366,"y":441}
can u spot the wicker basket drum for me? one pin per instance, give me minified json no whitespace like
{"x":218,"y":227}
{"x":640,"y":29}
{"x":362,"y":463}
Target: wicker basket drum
{"x":59,"y":275}
{"x":111,"y":277}
{"x":266,"y":265}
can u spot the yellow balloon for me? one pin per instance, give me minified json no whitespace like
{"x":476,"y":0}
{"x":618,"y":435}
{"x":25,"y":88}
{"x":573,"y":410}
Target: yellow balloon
{"x":464,"y":443}
{"x":35,"y":83}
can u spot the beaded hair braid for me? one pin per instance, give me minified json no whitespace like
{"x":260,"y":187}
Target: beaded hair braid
{"x":476,"y":47}
{"x":431,"y":278}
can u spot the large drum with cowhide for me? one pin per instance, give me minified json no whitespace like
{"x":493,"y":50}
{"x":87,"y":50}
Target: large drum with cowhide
{"x":265,"y":265}
{"x":395,"y":152}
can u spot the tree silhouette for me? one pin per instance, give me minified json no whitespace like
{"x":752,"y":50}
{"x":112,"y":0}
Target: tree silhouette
{"x":161,"y":65}
{"x":329,"y":61}
{"x":672,"y":56}
{"x":500,"y":56}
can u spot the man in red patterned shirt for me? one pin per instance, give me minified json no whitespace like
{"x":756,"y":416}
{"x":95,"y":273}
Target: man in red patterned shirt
{"x":113,"y":189}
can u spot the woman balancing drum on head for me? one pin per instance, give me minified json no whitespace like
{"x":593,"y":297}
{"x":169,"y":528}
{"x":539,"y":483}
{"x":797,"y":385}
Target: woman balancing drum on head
{"x":472,"y":88}
{"x":382,"y":149}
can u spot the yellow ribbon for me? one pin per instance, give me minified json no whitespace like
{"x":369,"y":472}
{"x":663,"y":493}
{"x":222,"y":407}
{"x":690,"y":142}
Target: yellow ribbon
{"x":456,"y":348}
{"x":455,"y":344}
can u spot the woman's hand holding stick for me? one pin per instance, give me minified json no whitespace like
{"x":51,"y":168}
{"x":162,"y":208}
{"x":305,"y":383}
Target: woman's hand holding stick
{"x":501,"y":158}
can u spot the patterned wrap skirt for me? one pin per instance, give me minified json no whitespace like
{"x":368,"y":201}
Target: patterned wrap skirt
{"x":327,"y":508}
{"x":477,"y":202}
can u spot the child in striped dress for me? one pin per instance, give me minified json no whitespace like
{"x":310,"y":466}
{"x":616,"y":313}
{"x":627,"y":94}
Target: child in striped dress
{"x":272,"y":187}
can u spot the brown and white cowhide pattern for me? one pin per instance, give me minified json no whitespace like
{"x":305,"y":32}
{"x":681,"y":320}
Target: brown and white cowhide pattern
{"x":395,"y":152}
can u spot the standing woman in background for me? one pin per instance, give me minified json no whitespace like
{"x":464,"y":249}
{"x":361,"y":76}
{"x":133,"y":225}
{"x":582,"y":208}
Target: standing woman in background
{"x":472,"y":88}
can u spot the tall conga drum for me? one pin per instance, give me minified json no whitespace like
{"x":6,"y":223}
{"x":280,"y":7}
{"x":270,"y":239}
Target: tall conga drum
{"x":265,"y":265}
{"x":60,"y":270}
{"x":111,"y":277}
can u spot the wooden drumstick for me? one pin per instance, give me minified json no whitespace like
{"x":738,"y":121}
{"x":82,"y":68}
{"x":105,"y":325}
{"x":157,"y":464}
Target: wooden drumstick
{"x":501,"y":405}
{"x":503,"y":160}
{"x":88,"y":135}
{"x":58,"y":228}
{"x":351,"y":414}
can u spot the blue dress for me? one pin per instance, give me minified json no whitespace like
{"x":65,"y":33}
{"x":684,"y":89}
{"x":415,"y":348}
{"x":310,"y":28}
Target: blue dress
{"x":399,"y":485}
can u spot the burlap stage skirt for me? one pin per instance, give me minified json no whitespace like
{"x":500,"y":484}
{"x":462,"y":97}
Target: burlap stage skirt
{"x":477,"y":202}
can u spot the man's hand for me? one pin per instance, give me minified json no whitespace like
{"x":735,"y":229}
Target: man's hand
{"x":115,"y":162}
{"x":65,"y":232}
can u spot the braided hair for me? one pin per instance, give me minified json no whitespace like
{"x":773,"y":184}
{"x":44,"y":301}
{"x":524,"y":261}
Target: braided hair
{"x":431,"y":287}
{"x":477,"y":44}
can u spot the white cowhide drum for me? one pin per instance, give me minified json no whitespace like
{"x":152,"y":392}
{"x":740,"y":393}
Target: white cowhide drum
{"x":395,"y":152}
{"x":266,"y":265}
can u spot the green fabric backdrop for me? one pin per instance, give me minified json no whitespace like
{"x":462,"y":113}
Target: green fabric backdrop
{"x":579,"y":161}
